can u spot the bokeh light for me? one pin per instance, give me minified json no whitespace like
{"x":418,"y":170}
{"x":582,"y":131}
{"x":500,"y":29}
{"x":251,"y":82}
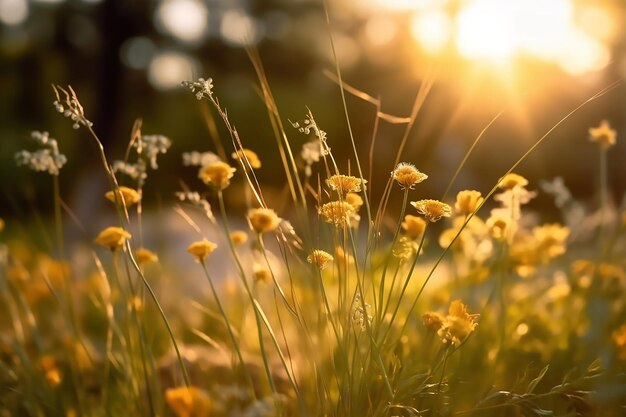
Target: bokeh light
{"x":184,"y":19}
{"x":13,"y":12}
{"x":168,"y":68}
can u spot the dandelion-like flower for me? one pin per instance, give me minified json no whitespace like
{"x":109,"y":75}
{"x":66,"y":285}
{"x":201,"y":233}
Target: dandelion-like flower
{"x":457,"y":325}
{"x":263,"y":220}
{"x":433,"y":321}
{"x":413,"y":226}
{"x":217,"y":175}
{"x":125,"y":194}
{"x":433,"y":210}
{"x":603,"y":135}
{"x":320,"y":258}
{"x":48,"y":158}
{"x":511,"y":181}
{"x":188,"y":402}
{"x":345,"y":183}
{"x":337,"y":212}
{"x":239,"y":237}
{"x":69,"y":106}
{"x":467,"y":201}
{"x":246,"y":154}
{"x":112,"y":238}
{"x":407,"y":175}
{"x":201,"y":249}
{"x":202,"y":88}
{"x":144,"y":256}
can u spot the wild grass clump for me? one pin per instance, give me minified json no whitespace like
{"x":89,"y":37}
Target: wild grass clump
{"x":333,"y":303}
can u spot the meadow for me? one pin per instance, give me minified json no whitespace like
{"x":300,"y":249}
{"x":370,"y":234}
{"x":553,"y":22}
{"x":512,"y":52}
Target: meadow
{"x":323,"y":301}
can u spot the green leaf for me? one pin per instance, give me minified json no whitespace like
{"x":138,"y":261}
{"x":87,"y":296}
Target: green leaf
{"x":533,"y":384}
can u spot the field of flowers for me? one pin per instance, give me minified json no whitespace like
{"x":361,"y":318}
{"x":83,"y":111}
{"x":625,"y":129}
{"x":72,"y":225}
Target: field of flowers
{"x":322,"y":301}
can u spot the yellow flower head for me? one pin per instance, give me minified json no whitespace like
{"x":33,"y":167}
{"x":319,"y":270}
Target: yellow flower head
{"x":188,"y":402}
{"x":261,"y":273}
{"x":239,"y":237}
{"x":467,"y":201}
{"x":458,"y":324}
{"x":144,"y":256}
{"x":112,"y":237}
{"x":51,"y":370}
{"x":619,"y":338}
{"x":201,"y":249}
{"x":345,"y":183}
{"x":354,"y":200}
{"x":551,"y":239}
{"x":217,"y":175}
{"x":407,"y":175}
{"x":320,"y":258}
{"x":511,"y":181}
{"x":603,"y":135}
{"x":251,"y":156}
{"x":413,"y":226}
{"x":337,"y":212}
{"x":263,"y":220}
{"x":123,"y":194}
{"x":433,"y":210}
{"x":499,"y":227}
{"x":433,"y":321}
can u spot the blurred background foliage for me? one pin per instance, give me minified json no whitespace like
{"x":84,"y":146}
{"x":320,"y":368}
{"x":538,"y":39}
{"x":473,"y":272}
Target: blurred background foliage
{"x":534,"y":59}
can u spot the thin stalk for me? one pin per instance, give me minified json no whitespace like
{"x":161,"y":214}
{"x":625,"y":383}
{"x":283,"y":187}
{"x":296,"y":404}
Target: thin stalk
{"x":230,"y":329}
{"x":381,"y":294}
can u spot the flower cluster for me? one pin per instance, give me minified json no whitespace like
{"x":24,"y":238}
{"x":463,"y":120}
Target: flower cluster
{"x":149,"y":146}
{"x":46,"y":159}
{"x":453,"y":328}
{"x":200,"y":159}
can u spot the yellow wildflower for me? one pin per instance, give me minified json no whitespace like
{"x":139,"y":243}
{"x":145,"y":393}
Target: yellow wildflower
{"x":511,"y":181}
{"x":458,"y":324}
{"x":251,"y":156}
{"x":404,"y":248}
{"x":354,"y":200}
{"x":123,"y":194}
{"x":413,"y":226}
{"x":433,"y":321}
{"x":217,"y":175}
{"x":499,"y":227}
{"x":433,"y":210}
{"x":51,"y":370}
{"x":603,"y":135}
{"x":407,"y":175}
{"x":619,"y":338}
{"x":467,"y":201}
{"x":345,"y":183}
{"x":551,"y":239}
{"x":112,"y":238}
{"x":261,"y":273}
{"x":188,"y":402}
{"x":201,"y":249}
{"x":239,"y":237}
{"x":263,"y":220}
{"x":144,"y":256}
{"x":320,"y":258}
{"x":337,"y":212}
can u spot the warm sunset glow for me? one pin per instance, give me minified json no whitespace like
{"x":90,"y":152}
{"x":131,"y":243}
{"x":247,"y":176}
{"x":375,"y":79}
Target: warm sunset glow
{"x":574,"y":37}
